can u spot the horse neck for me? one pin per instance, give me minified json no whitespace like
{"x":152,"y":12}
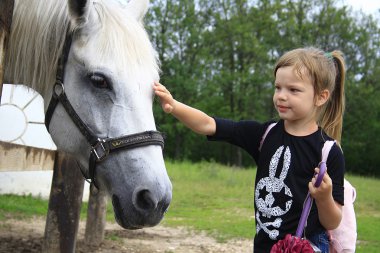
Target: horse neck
{"x":36,"y":41}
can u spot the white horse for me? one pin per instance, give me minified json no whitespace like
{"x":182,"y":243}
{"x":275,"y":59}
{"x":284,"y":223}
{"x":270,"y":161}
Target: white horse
{"x":97,"y":58}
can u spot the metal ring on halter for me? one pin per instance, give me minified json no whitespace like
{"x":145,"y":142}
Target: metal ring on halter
{"x":58,"y":89}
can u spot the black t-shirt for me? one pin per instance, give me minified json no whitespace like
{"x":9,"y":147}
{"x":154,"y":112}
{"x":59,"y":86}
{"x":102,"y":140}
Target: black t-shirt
{"x":285,"y":166}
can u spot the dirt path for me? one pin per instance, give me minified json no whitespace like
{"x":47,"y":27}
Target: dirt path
{"x":25,"y":236}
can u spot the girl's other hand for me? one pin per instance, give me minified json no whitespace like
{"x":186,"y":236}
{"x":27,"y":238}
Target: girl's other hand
{"x":329,"y":211}
{"x":324,"y":191}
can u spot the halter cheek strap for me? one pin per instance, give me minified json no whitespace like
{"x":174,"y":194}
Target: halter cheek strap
{"x":100,"y":147}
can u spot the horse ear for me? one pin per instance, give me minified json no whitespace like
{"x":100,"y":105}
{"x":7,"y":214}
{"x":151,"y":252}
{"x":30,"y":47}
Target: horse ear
{"x":79,"y":10}
{"x":138,"y":8}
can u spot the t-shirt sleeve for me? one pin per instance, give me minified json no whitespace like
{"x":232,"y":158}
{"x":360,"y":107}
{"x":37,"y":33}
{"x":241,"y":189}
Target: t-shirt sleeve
{"x":336,"y":169}
{"x":245,"y":133}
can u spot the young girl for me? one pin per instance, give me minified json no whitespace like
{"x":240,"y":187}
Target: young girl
{"x":309,"y":99}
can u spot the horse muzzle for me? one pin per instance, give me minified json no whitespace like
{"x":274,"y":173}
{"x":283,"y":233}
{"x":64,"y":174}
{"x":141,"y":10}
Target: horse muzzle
{"x":147,"y":209}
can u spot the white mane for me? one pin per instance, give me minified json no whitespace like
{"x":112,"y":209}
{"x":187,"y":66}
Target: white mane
{"x":38,"y":33}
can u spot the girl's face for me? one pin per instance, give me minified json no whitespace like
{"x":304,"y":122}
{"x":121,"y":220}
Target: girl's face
{"x":294,"y":97}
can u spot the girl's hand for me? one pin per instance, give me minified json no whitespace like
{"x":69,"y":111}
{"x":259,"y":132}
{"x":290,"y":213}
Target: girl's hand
{"x":192,"y":118}
{"x":329,"y":211}
{"x":324,"y":191}
{"x":166,"y":99}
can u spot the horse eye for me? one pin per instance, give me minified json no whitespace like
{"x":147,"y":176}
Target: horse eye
{"x":99,"y":81}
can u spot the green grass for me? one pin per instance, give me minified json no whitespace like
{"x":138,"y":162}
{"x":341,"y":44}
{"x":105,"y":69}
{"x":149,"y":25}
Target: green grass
{"x":21,"y":207}
{"x":219,"y":200}
{"x":367,"y":209}
{"x":212,"y":198}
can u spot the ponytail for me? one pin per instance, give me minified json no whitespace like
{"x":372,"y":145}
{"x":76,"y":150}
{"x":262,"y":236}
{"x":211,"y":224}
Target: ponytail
{"x":331,"y":117}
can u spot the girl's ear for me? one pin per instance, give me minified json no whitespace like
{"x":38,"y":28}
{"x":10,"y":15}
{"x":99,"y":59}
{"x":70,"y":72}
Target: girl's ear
{"x":322,"y":98}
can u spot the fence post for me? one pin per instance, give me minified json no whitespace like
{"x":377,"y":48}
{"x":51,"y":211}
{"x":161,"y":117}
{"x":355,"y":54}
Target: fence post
{"x":96,"y":217}
{"x":6,"y":14}
{"x":65,"y":202}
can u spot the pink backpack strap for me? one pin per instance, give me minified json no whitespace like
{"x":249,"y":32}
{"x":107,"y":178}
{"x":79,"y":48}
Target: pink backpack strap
{"x":326,"y":150}
{"x":266,"y":133}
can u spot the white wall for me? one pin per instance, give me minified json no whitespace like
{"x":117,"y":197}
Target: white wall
{"x":22,"y":122}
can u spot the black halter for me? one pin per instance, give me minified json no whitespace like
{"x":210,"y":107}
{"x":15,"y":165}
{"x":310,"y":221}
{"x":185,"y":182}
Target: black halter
{"x":100,"y":147}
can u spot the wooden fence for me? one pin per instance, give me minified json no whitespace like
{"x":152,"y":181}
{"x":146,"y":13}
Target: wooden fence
{"x":14,"y":157}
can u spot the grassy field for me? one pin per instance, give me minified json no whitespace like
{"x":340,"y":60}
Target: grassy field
{"x":219,"y":200}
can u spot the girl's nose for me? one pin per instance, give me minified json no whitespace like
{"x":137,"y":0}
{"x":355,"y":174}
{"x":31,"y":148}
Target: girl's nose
{"x":281,"y":95}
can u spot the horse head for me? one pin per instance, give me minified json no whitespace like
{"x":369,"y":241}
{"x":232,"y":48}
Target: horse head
{"x":108,"y":74}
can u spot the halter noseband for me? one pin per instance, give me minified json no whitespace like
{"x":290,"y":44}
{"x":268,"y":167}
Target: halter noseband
{"x":100,"y":147}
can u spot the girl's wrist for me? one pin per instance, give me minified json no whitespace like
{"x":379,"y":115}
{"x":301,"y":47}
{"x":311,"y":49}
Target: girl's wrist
{"x":173,"y":105}
{"x":325,"y":202}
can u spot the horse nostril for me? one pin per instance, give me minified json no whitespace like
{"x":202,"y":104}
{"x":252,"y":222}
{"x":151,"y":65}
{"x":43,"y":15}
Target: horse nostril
{"x":145,"y":200}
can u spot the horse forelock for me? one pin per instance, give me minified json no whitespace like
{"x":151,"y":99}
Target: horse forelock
{"x":124,"y":40}
{"x":38,"y":33}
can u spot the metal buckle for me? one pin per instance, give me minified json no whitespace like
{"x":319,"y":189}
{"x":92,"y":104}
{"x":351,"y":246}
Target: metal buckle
{"x":100,"y":150}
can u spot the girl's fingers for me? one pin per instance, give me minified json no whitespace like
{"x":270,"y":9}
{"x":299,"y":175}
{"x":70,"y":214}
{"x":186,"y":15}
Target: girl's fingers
{"x":161,"y":89}
{"x":164,"y":95}
{"x":311,"y":187}
{"x":159,"y":86}
{"x":160,"y":93}
{"x":327,"y":179}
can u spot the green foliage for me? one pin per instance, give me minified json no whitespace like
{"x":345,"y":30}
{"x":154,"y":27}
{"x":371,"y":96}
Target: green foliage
{"x":218,"y":56}
{"x":362,"y":122}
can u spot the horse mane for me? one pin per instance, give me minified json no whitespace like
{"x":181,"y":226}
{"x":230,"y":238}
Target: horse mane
{"x":36,"y":41}
{"x":38,"y":33}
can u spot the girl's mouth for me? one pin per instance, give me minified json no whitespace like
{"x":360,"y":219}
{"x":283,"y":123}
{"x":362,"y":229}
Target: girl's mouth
{"x":282,"y":109}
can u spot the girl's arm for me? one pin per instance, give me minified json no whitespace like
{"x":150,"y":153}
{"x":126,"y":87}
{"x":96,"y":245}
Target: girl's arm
{"x":193,"y":118}
{"x":329,"y":211}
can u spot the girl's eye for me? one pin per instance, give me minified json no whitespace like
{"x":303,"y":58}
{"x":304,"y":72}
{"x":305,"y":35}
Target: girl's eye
{"x":99,"y":81}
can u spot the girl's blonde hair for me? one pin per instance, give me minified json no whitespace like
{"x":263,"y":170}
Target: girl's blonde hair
{"x":327,"y":71}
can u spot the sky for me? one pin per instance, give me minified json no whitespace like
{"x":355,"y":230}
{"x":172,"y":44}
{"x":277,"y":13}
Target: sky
{"x":368,"y":6}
